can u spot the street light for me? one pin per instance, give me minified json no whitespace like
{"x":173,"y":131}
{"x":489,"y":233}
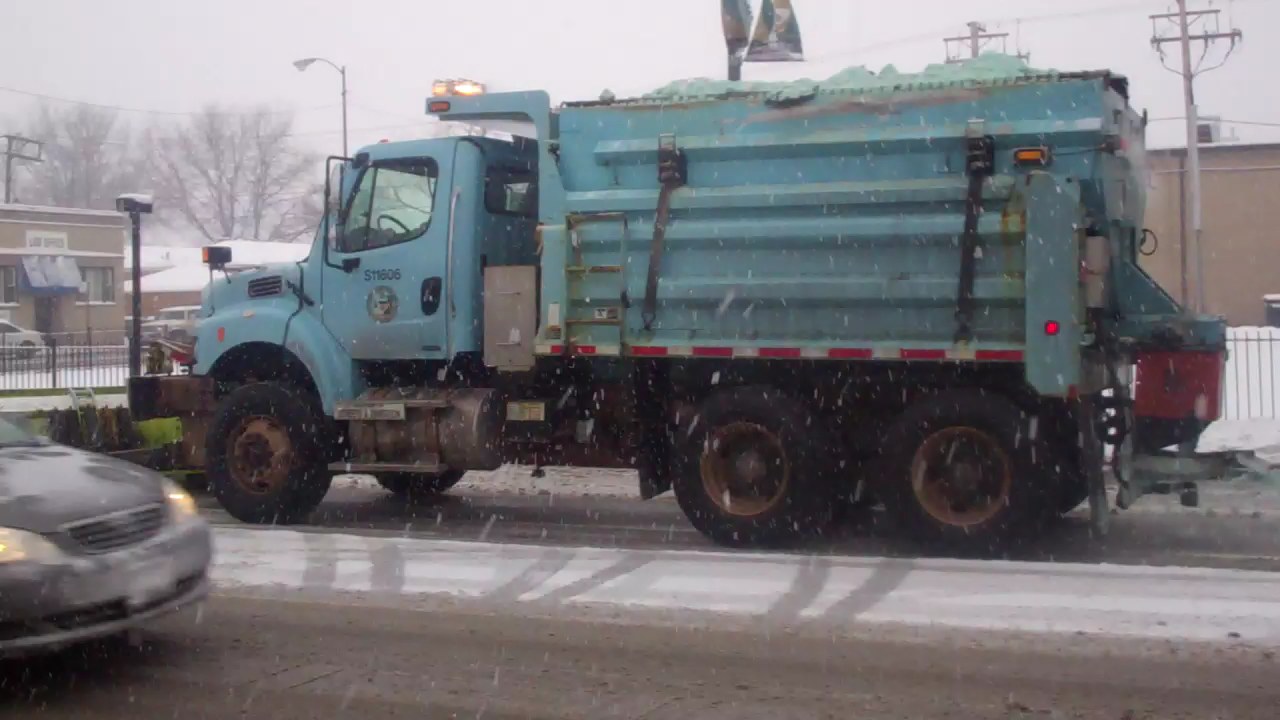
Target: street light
{"x":305,"y":63}
{"x":136,"y":205}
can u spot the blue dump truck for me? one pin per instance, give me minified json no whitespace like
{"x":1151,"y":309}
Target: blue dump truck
{"x":775,"y":300}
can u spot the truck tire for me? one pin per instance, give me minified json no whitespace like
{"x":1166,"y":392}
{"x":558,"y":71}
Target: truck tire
{"x":962,"y":469}
{"x":752,"y":470}
{"x":412,"y":487}
{"x":266,"y":455}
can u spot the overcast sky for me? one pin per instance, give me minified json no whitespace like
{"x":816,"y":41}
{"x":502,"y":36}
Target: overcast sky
{"x":176,"y":55}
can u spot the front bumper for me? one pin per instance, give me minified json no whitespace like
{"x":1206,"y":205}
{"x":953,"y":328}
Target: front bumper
{"x":47,"y":606}
{"x":189,"y":398}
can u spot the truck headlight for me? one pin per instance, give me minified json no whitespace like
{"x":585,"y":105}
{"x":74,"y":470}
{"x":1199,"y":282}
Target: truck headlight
{"x":24,"y":546}
{"x":182,"y":506}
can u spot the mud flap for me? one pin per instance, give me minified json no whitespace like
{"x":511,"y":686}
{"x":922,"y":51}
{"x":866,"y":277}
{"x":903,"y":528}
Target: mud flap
{"x":654,"y":447}
{"x":1094,"y":461}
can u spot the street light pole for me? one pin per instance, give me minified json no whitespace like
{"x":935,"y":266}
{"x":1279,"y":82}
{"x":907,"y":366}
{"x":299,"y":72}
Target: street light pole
{"x":305,"y":63}
{"x":343,"y":72}
{"x":135,"y":206}
{"x":1198,"y":26}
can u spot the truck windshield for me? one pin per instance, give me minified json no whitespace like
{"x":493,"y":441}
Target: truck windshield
{"x":392,"y":204}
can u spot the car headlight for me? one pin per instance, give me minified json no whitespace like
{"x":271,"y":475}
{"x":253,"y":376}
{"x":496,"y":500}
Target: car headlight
{"x":24,"y":546}
{"x":181,"y":505}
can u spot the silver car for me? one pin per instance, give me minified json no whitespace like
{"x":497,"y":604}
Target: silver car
{"x":90,"y":546}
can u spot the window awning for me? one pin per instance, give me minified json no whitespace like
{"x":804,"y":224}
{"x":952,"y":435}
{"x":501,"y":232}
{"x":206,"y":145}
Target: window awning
{"x":46,"y":275}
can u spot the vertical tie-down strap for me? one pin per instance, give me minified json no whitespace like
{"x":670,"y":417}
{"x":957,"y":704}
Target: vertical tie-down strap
{"x":673,"y":172}
{"x":980,"y":160}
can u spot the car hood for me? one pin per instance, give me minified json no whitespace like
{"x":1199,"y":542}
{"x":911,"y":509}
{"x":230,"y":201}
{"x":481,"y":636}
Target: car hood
{"x":45,"y":486}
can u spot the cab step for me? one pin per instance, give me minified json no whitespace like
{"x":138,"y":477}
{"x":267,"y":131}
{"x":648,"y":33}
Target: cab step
{"x":383,"y":409}
{"x":377,"y":468}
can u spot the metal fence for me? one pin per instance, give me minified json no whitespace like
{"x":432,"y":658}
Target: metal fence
{"x":40,"y":367}
{"x":1251,"y":386}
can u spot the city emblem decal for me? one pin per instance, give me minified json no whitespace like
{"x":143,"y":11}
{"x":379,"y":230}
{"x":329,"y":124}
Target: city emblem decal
{"x":382,"y":304}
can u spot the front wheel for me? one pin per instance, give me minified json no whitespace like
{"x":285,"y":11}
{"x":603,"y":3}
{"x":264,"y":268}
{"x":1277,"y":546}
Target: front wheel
{"x":965,"y":468}
{"x":266,"y":454}
{"x":754,"y":470}
{"x":412,"y":486}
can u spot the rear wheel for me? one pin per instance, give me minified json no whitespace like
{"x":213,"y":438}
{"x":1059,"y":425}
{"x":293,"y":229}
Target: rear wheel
{"x":966,"y":468}
{"x":266,"y":454}
{"x":412,"y":486}
{"x":753,"y":470}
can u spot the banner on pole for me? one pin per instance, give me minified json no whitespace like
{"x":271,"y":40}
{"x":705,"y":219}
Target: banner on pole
{"x":736,"y":18}
{"x":777,"y":34}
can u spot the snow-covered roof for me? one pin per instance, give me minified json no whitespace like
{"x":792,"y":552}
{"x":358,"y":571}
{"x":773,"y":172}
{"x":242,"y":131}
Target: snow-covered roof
{"x":246,"y":253}
{"x":55,"y":252}
{"x":250,"y":253}
{"x":189,"y":274}
{"x":159,"y":257}
{"x":71,"y":212}
{"x":184,"y":278}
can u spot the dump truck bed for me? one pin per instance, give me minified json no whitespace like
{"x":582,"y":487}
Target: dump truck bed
{"x":829,"y":221}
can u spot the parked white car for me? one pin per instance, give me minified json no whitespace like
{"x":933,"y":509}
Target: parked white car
{"x":24,"y":341}
{"x":173,"y":323}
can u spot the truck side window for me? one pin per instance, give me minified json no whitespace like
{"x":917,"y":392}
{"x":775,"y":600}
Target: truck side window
{"x":392,"y":204}
{"x":511,"y":192}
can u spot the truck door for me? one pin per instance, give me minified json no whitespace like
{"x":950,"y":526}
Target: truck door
{"x":384,"y":280}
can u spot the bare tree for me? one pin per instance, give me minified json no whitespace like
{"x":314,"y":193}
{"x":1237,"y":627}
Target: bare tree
{"x":89,"y":158}
{"x":236,"y":175}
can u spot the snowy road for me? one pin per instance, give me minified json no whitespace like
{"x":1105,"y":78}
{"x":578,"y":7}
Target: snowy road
{"x":841,"y":592}
{"x":314,"y":625}
{"x":515,"y":597}
{"x":1237,"y":527}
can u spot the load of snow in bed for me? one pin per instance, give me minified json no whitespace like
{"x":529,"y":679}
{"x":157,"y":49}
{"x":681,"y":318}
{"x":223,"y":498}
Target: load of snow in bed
{"x":991,"y":68}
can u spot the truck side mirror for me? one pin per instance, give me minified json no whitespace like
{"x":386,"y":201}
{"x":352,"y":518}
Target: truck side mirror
{"x":217,"y":257}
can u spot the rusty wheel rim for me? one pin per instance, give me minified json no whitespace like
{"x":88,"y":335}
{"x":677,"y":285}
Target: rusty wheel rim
{"x":744,"y":469}
{"x":260,"y":455}
{"x":961,"y":476}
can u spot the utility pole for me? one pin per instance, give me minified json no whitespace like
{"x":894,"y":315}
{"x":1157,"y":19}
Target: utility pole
{"x":17,"y":147}
{"x":976,"y":40}
{"x":1204,"y":23}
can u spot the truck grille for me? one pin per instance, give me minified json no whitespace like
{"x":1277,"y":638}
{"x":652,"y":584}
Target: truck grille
{"x":117,"y":530}
{"x":266,"y":286}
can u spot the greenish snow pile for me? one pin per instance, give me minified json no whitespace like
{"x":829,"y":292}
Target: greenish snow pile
{"x":987,"y":68}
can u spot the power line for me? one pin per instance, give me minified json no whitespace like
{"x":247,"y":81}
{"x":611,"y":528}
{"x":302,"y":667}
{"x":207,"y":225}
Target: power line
{"x":931,"y":36}
{"x":149,"y":111}
{"x":1192,"y":26}
{"x":977,"y":40}
{"x":1224,"y":121}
